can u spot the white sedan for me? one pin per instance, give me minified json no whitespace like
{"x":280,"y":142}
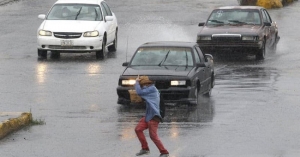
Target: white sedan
{"x":77,"y":26}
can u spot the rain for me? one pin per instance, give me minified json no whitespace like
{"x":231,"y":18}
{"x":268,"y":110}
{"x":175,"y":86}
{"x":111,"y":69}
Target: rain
{"x":253,"y":110}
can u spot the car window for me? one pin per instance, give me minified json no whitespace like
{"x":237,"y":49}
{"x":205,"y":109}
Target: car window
{"x":234,"y":16}
{"x":163,"y":56}
{"x":201,"y":55}
{"x":84,"y":12}
{"x":107,"y":9}
{"x":104,"y":10}
{"x":266,"y":16}
{"x":197,"y":58}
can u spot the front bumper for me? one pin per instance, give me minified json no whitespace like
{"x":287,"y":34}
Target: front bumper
{"x":172,"y":95}
{"x":249,"y":48}
{"x":82,"y":44}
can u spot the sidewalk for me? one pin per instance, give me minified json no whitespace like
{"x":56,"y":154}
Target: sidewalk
{"x":13,"y":121}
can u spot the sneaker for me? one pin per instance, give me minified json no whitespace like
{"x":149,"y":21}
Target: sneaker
{"x":142,"y":152}
{"x":164,"y":155}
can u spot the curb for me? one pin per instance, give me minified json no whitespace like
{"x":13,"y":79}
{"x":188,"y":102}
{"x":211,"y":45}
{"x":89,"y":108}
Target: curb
{"x":268,"y":4}
{"x":3,"y":2}
{"x":14,"y":124}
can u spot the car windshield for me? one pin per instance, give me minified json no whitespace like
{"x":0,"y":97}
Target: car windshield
{"x":163,"y":56}
{"x":234,"y":16}
{"x":75,"y":12}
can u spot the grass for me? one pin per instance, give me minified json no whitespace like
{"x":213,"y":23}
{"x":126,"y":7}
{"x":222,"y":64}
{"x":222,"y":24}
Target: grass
{"x":37,"y":122}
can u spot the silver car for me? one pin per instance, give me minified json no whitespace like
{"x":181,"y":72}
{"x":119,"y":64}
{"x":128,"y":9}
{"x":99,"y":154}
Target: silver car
{"x":77,"y":26}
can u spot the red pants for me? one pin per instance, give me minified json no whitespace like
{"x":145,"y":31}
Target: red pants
{"x":152,"y":125}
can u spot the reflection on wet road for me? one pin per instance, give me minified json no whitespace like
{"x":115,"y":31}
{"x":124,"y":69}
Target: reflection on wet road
{"x":238,"y":85}
{"x":253,"y":111}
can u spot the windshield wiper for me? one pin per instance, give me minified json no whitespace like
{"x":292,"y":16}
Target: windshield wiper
{"x":78,"y":13}
{"x":216,"y":21}
{"x":236,"y":21}
{"x":164,"y":59}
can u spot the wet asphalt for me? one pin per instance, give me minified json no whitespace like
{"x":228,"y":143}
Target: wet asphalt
{"x":253,"y":111}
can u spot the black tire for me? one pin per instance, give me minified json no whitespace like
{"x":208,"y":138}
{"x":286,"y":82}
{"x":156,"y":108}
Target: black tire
{"x":114,"y":46}
{"x":274,"y":45}
{"x":274,"y":48}
{"x":55,"y":54}
{"x":102,"y":53}
{"x":208,"y":93}
{"x":42,"y":53}
{"x":262,"y":52}
{"x":213,"y":80}
{"x":197,"y":93}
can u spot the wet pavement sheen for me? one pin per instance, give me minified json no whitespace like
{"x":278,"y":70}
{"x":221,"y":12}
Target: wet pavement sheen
{"x":253,"y":110}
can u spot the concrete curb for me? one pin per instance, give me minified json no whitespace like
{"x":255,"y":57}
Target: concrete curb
{"x":268,"y":4}
{"x":3,"y":2}
{"x":14,"y":124}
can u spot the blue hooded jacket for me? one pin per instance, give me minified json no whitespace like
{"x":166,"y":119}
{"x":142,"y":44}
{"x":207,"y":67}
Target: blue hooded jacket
{"x":151,"y":95}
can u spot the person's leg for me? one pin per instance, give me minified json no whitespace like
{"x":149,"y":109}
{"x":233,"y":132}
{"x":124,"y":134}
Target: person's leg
{"x":153,"y":125}
{"x":141,"y":126}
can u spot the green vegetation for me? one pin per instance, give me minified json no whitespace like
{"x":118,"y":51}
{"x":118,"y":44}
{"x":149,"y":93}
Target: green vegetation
{"x":37,"y":122}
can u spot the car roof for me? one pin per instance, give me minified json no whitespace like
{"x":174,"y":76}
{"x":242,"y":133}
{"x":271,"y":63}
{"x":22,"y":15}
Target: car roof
{"x":240,"y":7}
{"x":169,"y":44}
{"x":80,"y":1}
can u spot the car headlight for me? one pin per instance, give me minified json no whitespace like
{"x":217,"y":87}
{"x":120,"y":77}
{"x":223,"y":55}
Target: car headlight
{"x":249,"y":38}
{"x":178,"y":83}
{"x":91,"y":34}
{"x":204,"y":37}
{"x":45,"y":33}
{"x":128,"y":82}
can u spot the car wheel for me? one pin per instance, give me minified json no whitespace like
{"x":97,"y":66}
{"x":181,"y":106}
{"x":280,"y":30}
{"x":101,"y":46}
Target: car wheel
{"x":197,"y":92}
{"x":42,"y":53}
{"x":102,"y":53}
{"x":262,"y":52}
{"x":274,"y":45}
{"x":208,"y":94}
{"x":113,"y":47}
{"x":213,"y":80}
{"x":55,"y":54}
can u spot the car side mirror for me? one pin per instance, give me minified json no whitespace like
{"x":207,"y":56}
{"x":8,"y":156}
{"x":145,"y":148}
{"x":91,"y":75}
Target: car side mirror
{"x":267,"y":23}
{"x":200,"y":65}
{"x":125,"y":64}
{"x":42,"y":16}
{"x":109,"y":18}
{"x":209,"y":56}
{"x":201,"y":24}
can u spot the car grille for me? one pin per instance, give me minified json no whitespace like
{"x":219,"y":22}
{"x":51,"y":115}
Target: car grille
{"x":162,"y":84}
{"x":171,"y":95}
{"x":175,"y":95}
{"x":67,"y":35}
{"x":67,"y":47}
{"x":226,"y":37}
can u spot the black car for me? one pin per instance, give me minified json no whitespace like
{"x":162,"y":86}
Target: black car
{"x":180,"y":70}
{"x":239,"y":29}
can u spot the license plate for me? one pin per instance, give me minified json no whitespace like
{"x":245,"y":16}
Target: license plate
{"x":66,"y":43}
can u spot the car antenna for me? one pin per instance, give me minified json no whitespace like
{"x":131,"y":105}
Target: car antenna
{"x":126,"y":48}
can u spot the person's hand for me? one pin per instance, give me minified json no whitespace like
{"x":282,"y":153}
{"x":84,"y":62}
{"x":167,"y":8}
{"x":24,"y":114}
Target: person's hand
{"x":138,"y":78}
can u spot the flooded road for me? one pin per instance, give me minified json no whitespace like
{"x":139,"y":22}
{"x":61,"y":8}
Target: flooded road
{"x":253,"y":110}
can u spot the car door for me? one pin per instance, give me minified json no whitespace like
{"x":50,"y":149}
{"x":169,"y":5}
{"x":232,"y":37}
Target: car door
{"x":273,"y":27}
{"x":208,"y":68}
{"x":269,"y":30}
{"x":110,"y":24}
{"x":201,"y":72}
